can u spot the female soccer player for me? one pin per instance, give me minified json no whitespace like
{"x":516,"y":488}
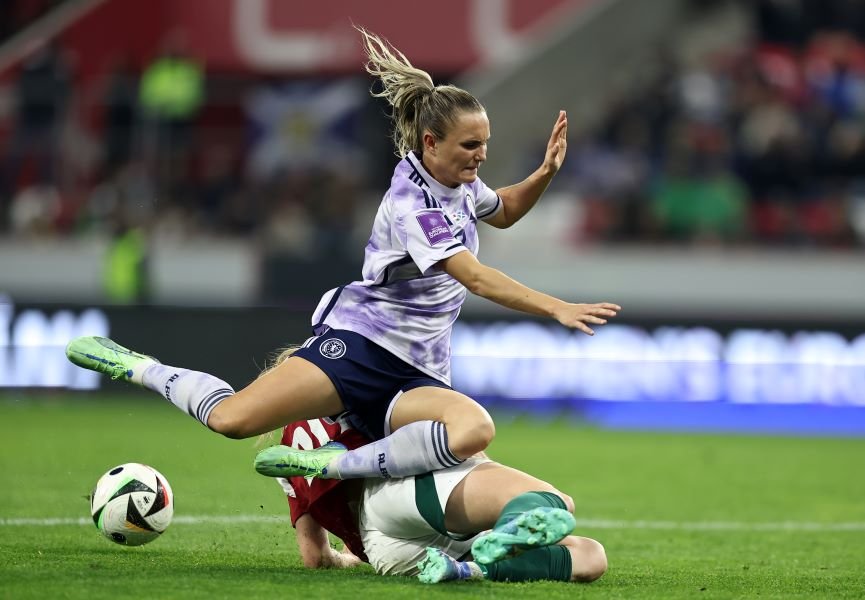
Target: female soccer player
{"x":381,"y":347}
{"x":428,"y":525}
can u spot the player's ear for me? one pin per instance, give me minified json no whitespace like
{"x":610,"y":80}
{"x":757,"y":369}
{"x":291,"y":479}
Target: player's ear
{"x":429,"y":143}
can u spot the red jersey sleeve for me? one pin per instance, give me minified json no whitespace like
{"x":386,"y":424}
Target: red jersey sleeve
{"x":327,"y":500}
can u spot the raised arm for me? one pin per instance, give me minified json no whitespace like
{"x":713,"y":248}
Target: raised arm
{"x":518,"y":199}
{"x":315,"y":549}
{"x":494,"y":285}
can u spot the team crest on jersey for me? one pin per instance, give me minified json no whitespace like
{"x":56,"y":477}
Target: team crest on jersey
{"x":459,"y":216}
{"x":332,"y":348}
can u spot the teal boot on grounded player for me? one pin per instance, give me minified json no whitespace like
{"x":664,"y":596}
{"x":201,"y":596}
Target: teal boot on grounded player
{"x":109,"y":358}
{"x":541,"y":526}
{"x":285,"y":461}
{"x":437,"y":567}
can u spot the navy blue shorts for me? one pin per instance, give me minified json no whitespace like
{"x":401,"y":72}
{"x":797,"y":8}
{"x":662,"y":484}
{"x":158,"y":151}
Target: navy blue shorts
{"x":366,"y":376}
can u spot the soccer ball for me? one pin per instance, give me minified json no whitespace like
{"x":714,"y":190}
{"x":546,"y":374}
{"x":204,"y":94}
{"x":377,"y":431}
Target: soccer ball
{"x":132,"y":504}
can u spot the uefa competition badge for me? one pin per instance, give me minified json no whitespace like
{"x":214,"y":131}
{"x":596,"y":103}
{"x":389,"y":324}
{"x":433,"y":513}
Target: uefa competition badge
{"x":434,"y":227}
{"x":332,"y":348}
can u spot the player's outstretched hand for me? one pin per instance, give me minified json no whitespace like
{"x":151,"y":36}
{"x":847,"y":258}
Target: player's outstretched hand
{"x":340,"y":559}
{"x":576,"y":316}
{"x":558,"y":144}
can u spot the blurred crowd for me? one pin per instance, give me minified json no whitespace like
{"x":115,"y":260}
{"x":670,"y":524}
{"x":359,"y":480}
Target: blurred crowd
{"x":15,"y":15}
{"x":760,"y":145}
{"x":168,"y":150}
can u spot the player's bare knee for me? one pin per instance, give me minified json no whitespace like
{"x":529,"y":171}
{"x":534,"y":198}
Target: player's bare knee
{"x":569,"y":502}
{"x":228,"y":424}
{"x":469,"y":437}
{"x":588,"y":557}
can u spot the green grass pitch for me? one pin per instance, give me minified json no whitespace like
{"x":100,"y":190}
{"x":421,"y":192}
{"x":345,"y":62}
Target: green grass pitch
{"x":681,"y":516}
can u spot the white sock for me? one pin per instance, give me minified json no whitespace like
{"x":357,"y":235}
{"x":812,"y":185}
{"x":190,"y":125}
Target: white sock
{"x":193,"y":392}
{"x":413,"y":449}
{"x":476,"y":571}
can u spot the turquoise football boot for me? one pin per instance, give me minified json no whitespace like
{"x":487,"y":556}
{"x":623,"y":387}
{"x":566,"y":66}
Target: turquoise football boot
{"x":541,"y":526}
{"x":437,"y":567}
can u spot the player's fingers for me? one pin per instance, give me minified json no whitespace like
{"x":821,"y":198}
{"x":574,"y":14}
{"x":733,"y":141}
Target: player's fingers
{"x":560,"y":127}
{"x":584,"y":328}
{"x":609,"y":305}
{"x":594,"y":319}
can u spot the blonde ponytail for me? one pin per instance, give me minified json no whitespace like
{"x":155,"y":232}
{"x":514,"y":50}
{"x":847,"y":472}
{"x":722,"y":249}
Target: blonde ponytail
{"x":418,"y":104}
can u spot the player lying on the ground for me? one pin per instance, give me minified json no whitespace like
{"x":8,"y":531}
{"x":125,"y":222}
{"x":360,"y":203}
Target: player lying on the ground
{"x":428,"y":525}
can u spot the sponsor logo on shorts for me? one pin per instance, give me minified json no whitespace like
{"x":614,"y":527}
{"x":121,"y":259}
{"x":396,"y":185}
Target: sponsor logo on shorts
{"x":332,"y":348}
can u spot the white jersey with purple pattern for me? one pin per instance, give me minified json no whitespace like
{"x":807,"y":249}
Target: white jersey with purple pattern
{"x":405,"y":303}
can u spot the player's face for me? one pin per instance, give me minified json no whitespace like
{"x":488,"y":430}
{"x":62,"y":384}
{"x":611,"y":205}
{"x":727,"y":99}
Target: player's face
{"x":455,"y":159}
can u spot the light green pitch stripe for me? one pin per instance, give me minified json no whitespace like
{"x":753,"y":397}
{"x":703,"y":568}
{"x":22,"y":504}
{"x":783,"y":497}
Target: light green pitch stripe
{"x":804,"y":526}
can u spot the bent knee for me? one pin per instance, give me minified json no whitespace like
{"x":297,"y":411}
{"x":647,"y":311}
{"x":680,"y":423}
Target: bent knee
{"x":569,"y":502}
{"x":229,"y":423}
{"x":469,"y":436}
{"x":589,"y":560}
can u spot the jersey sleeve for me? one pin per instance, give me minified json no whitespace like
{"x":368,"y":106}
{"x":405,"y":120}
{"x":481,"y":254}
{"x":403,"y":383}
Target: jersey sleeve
{"x":298,"y":505}
{"x":487,"y":201}
{"x":428,"y":238}
{"x":304,"y":495}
